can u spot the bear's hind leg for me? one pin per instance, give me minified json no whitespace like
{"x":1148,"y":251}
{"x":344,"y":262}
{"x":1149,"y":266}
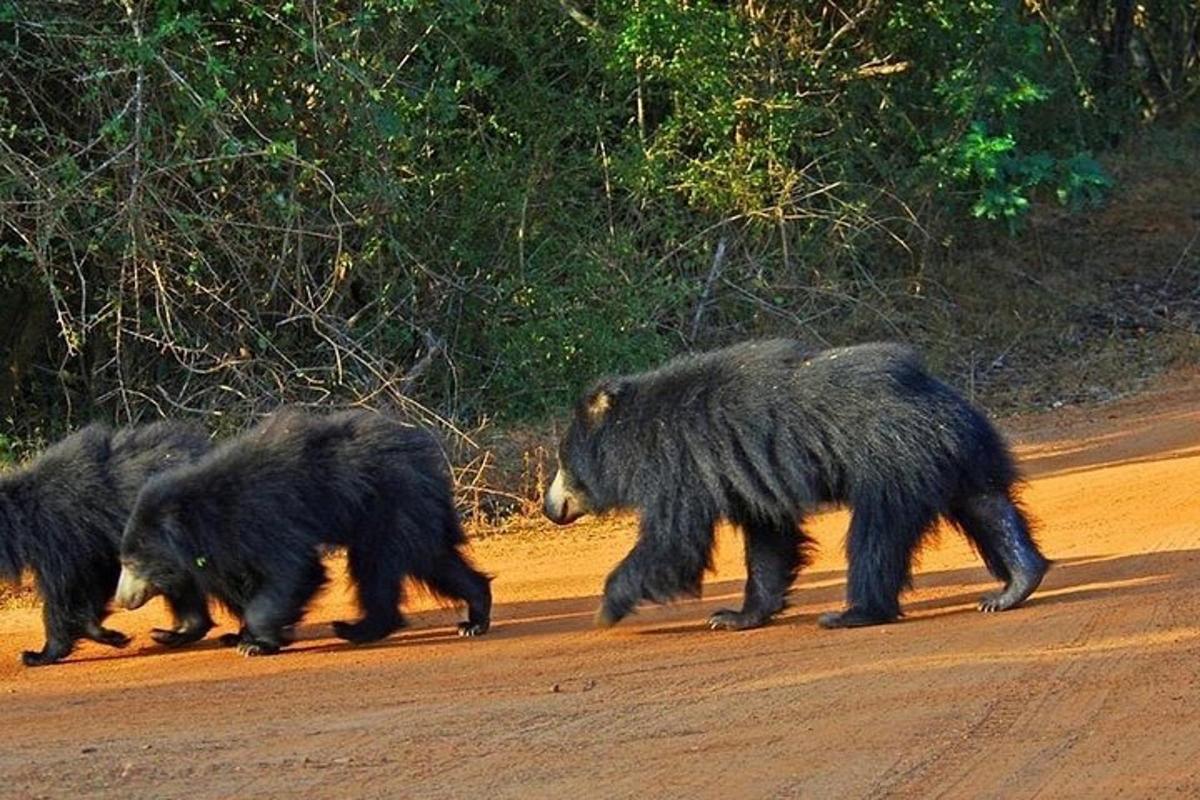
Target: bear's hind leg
{"x":53,"y":650}
{"x":377,"y":580}
{"x":60,"y":636}
{"x":454,"y":577}
{"x":998,"y":528}
{"x":774,"y":553}
{"x":880,"y":548}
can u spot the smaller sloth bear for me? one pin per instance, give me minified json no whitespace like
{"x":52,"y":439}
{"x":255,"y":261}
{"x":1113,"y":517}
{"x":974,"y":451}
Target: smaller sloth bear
{"x":249,"y":521}
{"x":761,"y":433}
{"x":61,"y":517}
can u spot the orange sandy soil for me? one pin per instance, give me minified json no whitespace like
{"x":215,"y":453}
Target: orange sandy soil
{"x":1091,"y":690}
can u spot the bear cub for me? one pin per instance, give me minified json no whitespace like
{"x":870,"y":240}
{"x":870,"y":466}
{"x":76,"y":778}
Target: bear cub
{"x":249,"y":521}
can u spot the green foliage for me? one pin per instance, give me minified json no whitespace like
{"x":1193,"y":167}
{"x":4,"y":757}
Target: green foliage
{"x":1081,"y":181}
{"x":746,"y":107}
{"x":1007,"y":178}
{"x":487,"y":204}
{"x":998,"y":142}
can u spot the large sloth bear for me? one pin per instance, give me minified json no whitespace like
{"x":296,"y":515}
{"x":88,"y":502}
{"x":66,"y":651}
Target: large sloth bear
{"x":61,"y":517}
{"x":248,"y":522}
{"x":762,"y":432}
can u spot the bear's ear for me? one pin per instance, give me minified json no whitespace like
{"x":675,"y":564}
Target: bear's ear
{"x":600,"y":400}
{"x":598,"y":405}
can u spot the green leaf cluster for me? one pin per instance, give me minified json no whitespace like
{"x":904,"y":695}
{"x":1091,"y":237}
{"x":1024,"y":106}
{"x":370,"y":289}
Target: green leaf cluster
{"x":231,"y":204}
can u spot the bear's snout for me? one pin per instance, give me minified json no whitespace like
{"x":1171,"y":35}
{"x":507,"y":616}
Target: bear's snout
{"x":561,"y":505}
{"x":133,"y":591}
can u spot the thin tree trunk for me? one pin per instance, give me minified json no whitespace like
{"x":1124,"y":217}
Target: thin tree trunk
{"x":1114,"y":60}
{"x":24,"y":325}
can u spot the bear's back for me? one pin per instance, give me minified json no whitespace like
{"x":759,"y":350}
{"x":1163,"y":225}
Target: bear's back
{"x":73,"y":467}
{"x":778,"y":375}
{"x":142,"y":451}
{"x":312,"y":457}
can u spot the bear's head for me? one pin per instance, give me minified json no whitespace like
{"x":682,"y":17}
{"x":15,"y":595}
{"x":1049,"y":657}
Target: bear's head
{"x":580,"y":486}
{"x":153,"y":553}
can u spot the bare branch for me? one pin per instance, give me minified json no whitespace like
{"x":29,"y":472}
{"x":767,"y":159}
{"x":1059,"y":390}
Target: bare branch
{"x":706,"y":294}
{"x":575,"y":13}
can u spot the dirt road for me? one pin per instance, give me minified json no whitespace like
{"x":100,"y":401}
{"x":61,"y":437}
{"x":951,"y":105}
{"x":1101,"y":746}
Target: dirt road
{"x":1092,"y":690}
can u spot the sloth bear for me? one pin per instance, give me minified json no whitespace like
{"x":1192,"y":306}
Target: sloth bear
{"x":761,"y":433}
{"x":61,"y":517}
{"x":248,"y":523}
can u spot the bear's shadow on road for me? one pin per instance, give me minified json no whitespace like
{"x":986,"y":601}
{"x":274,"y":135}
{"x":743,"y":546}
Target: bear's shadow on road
{"x":1070,"y":581}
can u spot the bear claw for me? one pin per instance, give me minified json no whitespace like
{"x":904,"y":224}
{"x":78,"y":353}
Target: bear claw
{"x":287,"y":635}
{"x":726,"y":619}
{"x":472,"y":628}
{"x":1015,"y":593}
{"x":252,"y":648}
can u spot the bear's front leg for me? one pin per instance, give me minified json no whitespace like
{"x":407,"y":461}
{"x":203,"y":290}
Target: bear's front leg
{"x":775,"y":551}
{"x":107,"y":636}
{"x":189,"y":607}
{"x":287,"y":635}
{"x":277,"y":606}
{"x":668,"y":560}
{"x":622,"y":591}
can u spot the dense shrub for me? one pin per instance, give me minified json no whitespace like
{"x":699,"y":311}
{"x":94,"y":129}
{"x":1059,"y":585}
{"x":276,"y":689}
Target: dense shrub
{"x":210,"y":207}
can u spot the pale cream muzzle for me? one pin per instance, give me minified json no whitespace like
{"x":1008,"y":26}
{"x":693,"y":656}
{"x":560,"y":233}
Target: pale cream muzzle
{"x":133,"y":591}
{"x":563,"y":504}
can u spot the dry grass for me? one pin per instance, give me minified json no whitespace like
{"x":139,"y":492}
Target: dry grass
{"x":21,"y":595}
{"x":1088,"y":307}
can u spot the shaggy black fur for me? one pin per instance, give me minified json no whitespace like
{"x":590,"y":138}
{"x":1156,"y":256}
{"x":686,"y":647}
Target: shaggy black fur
{"x":248,"y":521}
{"x":761,"y":432}
{"x":62,"y":515}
